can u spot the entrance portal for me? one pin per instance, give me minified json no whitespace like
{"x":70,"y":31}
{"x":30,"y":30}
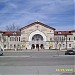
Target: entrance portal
{"x":37,"y":42}
{"x":33,"y":46}
{"x":42,"y":46}
{"x":37,"y":46}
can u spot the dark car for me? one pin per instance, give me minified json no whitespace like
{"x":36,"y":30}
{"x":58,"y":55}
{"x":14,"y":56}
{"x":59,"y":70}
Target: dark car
{"x":69,"y":52}
{"x":1,"y":51}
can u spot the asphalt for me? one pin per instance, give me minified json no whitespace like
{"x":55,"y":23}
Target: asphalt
{"x":37,"y":63}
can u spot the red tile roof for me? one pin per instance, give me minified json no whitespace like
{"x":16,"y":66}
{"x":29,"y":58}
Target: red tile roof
{"x":11,"y":33}
{"x":62,"y":33}
{"x":72,"y":30}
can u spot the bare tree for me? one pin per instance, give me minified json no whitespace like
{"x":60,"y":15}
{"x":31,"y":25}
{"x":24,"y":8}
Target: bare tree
{"x":12,"y":28}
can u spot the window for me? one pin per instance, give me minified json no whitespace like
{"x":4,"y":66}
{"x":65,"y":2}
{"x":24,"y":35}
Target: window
{"x":50,"y":39}
{"x":4,"y":39}
{"x":59,"y":32}
{"x":19,"y":38}
{"x":63,"y":45}
{"x":69,"y":45}
{"x":69,"y":39}
{"x":0,"y":38}
{"x":10,"y":38}
{"x":56,"y":38}
{"x":60,"y":39}
{"x":15,"y":38}
{"x":18,"y":46}
{"x":14,"y":46}
{"x":74,"y":38}
{"x":4,"y":46}
{"x":51,"y":31}
{"x":10,"y":45}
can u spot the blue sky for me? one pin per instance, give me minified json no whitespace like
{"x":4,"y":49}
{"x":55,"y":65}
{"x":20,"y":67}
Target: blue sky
{"x":55,"y":13}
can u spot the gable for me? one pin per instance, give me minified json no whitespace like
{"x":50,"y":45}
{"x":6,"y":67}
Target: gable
{"x":32,"y":24}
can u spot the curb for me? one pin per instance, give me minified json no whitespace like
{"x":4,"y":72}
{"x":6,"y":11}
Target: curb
{"x":64,"y":55}
{"x":14,"y":56}
{"x":51,"y":56}
{"x":36,"y":51}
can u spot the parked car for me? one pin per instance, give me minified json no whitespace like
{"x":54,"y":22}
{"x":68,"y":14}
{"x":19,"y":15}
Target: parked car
{"x":1,"y":51}
{"x":69,"y":52}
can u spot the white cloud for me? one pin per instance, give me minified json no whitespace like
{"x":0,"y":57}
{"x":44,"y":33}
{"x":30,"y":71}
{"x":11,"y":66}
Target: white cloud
{"x":22,"y":14}
{"x":12,"y":5}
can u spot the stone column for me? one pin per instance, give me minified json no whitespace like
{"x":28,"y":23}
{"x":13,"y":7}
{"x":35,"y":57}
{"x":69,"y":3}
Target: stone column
{"x":35,"y":46}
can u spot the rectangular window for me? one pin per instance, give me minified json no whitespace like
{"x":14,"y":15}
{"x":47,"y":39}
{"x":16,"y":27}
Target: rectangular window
{"x":0,"y":38}
{"x":18,"y":46}
{"x":4,"y":46}
{"x":74,"y":38}
{"x":10,"y":45}
{"x":15,"y":38}
{"x":14,"y":46}
{"x":10,"y":39}
{"x":62,"y":38}
{"x":59,"y":38}
{"x":63,"y":45}
{"x":4,"y":39}
{"x":69,"y":45}
{"x":19,"y":38}
{"x":50,"y":39}
{"x":69,"y":39}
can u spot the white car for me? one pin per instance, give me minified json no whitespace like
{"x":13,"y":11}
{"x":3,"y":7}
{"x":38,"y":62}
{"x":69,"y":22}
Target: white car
{"x":1,"y":51}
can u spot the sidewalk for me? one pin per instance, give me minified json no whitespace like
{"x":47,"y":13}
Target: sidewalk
{"x":34,"y":50}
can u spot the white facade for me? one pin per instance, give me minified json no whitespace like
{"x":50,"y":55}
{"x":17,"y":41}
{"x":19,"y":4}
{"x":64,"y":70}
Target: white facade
{"x":39,"y":30}
{"x":37,"y":36}
{"x":1,"y":41}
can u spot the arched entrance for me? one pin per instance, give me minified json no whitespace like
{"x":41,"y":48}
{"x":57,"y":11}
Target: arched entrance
{"x":33,"y":46}
{"x":38,"y":39}
{"x":37,"y":32}
{"x":37,"y":42}
{"x":37,"y":46}
{"x":42,"y":46}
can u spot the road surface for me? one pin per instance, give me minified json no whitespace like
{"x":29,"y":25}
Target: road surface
{"x":36,"y":63}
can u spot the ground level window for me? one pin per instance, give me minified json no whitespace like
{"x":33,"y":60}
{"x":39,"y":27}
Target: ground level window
{"x":63,"y":45}
{"x":14,"y":46}
{"x":10,"y":45}
{"x":69,"y":45}
{"x":74,"y":38}
{"x":4,"y":46}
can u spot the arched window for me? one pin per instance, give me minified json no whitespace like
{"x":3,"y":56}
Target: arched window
{"x":37,"y":37}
